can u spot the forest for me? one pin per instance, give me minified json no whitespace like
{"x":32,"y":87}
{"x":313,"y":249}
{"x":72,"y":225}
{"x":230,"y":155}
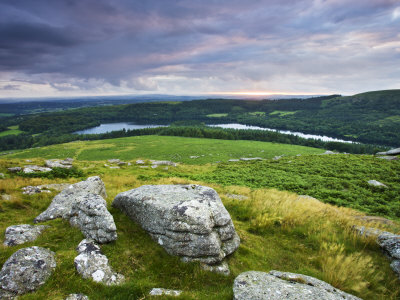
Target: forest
{"x":370,"y":118}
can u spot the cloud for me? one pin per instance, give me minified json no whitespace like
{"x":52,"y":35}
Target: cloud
{"x":71,"y":46}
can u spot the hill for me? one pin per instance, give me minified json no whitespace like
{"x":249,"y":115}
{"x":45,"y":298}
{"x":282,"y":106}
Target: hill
{"x":278,"y":230}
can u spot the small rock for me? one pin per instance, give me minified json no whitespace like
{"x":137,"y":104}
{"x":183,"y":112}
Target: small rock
{"x":90,"y":214}
{"x":19,"y":234}
{"x":31,"y":190}
{"x":221,"y":268}
{"x":161,"y":292}
{"x":27,"y":269}
{"x":376,"y":183}
{"x":277,"y":285}
{"x":140,"y":162}
{"x":114,"y":161}
{"x":236,"y":197}
{"x":6,"y":197}
{"x":92,"y":264}
{"x":154,"y":166}
{"x":233,"y":160}
{"x":395,"y":265}
{"x":393,"y":152}
{"x":114,"y":167}
{"x":129,"y":164}
{"x":122,"y":163}
{"x":329,"y":152}
{"x":277,"y":157}
{"x":15,"y":169}
{"x":77,"y":297}
{"x":194,"y":156}
{"x":35,"y":169}
{"x":250,"y":158}
{"x":163,"y":163}
{"x":144,"y":167}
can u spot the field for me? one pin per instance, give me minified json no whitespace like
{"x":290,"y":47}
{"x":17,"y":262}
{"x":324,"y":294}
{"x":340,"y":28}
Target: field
{"x":178,"y":149}
{"x":277,"y":229}
{"x":12,"y":130}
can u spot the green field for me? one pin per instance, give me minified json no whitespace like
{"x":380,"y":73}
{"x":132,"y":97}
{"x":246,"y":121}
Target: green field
{"x":12,"y":130}
{"x":277,"y":230}
{"x":217,"y":115}
{"x":283,"y":113}
{"x":177,"y":149}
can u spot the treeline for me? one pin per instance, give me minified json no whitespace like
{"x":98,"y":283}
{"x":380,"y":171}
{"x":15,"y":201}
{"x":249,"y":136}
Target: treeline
{"x":23,"y":141}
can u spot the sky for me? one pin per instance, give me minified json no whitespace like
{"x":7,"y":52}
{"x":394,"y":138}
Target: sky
{"x":185,"y":47}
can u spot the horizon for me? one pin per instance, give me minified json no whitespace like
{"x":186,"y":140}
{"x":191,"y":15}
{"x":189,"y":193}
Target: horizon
{"x":69,"y":49}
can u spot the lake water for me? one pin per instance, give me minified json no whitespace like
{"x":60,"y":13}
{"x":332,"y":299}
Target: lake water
{"x":299,"y":134}
{"x":108,"y":127}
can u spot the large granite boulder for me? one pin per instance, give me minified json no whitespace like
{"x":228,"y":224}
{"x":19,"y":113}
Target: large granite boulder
{"x":61,"y":205}
{"x":35,"y":169}
{"x":277,"y":285}
{"x":26,"y":270}
{"x":186,"y":220}
{"x":19,"y":234}
{"x":90,"y":214}
{"x":92,"y":264}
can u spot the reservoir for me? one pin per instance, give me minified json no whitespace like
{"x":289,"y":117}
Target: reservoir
{"x":108,"y":127}
{"x":299,"y":134}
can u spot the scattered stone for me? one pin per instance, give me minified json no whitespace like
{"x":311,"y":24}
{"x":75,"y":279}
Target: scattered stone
{"x":2,"y":175}
{"x":236,"y":197}
{"x":283,"y":285}
{"x":56,"y":163}
{"x":277,"y":157}
{"x":28,"y":160}
{"x":77,"y":297}
{"x":162,"y":292}
{"x":31,"y":190}
{"x":61,"y":205}
{"x":15,"y":169}
{"x":233,"y":160}
{"x":186,"y":220}
{"x":163,"y":163}
{"x":329,"y":152}
{"x":194,"y":156}
{"x":91,"y":263}
{"x":27,"y":269}
{"x":34,"y":169}
{"x":390,"y":152}
{"x":143,"y":167}
{"x":106,"y":165}
{"x":388,"y":157}
{"x":19,"y":234}
{"x":376,"y":183}
{"x":6,"y":197}
{"x":221,"y":268}
{"x":250,"y":158}
{"x":114,"y":161}
{"x":115,"y":167}
{"x":140,"y":162}
{"x":122,"y":163}
{"x":90,"y":214}
{"x":129,"y":164}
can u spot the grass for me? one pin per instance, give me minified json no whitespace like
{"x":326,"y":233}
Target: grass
{"x":278,"y":230}
{"x":337,"y":179}
{"x":217,"y":115}
{"x":282,"y":113}
{"x":257,"y":113}
{"x":12,"y":130}
{"x":177,"y":149}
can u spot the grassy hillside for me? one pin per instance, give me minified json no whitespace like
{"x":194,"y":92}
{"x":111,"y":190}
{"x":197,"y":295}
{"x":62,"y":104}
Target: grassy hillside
{"x":277,"y":229}
{"x":178,"y":149}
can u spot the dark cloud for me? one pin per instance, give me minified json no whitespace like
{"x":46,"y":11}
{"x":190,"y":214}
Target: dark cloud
{"x":143,"y":45}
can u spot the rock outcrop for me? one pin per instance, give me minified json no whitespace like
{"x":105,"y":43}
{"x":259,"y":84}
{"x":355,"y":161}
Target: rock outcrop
{"x":186,"y":220}
{"x":157,"y":163}
{"x":61,"y":205}
{"x":35,"y":169}
{"x":389,"y":242}
{"x":390,"y":152}
{"x":56,"y":163}
{"x":90,"y":214}
{"x":277,"y":285}
{"x":26,"y":270}
{"x":19,"y":234}
{"x":92,"y":264}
